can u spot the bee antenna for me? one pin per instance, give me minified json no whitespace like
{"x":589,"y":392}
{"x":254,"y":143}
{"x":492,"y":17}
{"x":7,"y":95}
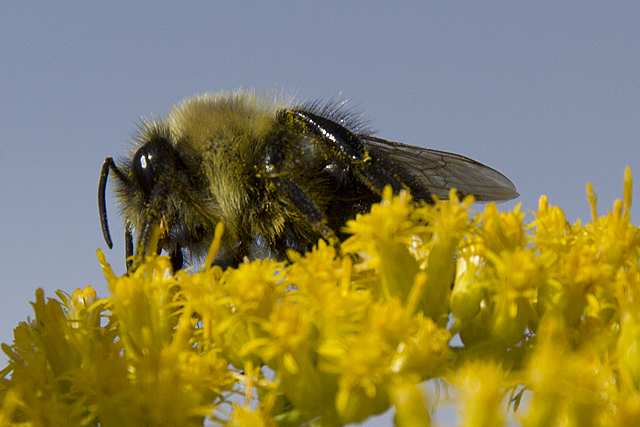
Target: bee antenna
{"x":102,"y":188}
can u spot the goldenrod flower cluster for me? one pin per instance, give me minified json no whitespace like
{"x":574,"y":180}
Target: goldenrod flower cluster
{"x":545,"y":318}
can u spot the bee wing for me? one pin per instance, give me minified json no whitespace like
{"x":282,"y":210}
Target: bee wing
{"x":439,"y":171}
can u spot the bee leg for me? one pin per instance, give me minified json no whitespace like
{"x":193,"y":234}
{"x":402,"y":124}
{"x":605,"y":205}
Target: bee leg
{"x":376,"y":178}
{"x":232,"y":257}
{"x":152,"y":220}
{"x":128,"y":245}
{"x":306,"y":207}
{"x":298,"y":197}
{"x":177,"y":260}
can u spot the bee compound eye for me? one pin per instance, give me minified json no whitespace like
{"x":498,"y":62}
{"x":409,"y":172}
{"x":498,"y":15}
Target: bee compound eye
{"x":157,"y":159}
{"x":143,"y":169}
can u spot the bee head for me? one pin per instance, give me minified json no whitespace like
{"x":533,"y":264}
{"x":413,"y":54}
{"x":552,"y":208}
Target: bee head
{"x":149,"y":186}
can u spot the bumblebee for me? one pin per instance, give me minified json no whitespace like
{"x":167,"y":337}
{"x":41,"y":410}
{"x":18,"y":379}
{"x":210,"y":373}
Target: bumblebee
{"x":277,"y":175}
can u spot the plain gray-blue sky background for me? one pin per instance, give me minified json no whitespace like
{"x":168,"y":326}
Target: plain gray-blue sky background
{"x":546,"y":92}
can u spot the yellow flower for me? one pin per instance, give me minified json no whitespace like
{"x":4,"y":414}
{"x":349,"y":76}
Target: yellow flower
{"x":380,"y":238}
{"x":252,"y":288}
{"x":504,"y":230}
{"x":628,"y":346}
{"x":448,"y":223}
{"x":469,"y":292}
{"x":291,"y":334}
{"x":410,"y":405}
{"x":424,"y":349}
{"x":547,"y":313}
{"x":570,"y":386}
{"x":242,"y":416}
{"x":552,"y":231}
{"x":482,"y":386}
